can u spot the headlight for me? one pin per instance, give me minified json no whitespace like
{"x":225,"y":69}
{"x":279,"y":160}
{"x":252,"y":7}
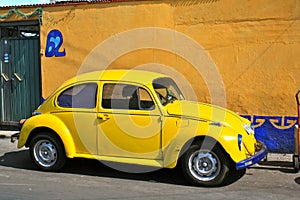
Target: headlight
{"x":248,"y":129}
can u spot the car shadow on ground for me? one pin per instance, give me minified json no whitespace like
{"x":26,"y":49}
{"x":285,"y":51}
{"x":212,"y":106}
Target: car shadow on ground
{"x":282,"y":166}
{"x":297,"y":180}
{"x":21,"y":160}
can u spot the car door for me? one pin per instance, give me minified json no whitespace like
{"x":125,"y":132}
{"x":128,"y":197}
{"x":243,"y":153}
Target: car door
{"x":129,"y":122}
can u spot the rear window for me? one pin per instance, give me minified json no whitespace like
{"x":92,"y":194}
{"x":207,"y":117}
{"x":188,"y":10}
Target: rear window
{"x":79,"y":96}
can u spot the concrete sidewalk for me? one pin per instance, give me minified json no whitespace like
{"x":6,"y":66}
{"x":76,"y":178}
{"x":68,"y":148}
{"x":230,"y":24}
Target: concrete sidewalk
{"x":6,"y":134}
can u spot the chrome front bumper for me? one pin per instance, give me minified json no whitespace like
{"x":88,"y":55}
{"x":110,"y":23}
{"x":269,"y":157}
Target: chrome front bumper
{"x":258,"y":156}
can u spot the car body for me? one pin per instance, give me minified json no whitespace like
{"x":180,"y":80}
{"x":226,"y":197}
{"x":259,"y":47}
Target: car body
{"x":142,"y":118}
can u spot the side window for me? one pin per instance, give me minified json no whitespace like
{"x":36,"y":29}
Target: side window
{"x":124,"y":96}
{"x":79,"y":96}
{"x":146,"y":102}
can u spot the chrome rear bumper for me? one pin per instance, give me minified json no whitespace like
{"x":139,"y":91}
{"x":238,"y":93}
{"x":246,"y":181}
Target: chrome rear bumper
{"x":14,"y":137}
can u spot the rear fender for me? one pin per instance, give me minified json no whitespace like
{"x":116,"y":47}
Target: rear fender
{"x":47,"y":121}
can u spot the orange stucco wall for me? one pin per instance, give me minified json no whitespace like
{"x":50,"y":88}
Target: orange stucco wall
{"x":254,"y":45}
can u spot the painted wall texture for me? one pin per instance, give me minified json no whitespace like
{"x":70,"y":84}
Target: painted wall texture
{"x":255,"y":46}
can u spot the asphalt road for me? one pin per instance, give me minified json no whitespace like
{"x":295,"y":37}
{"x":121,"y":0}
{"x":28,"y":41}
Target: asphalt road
{"x":89,"y":179}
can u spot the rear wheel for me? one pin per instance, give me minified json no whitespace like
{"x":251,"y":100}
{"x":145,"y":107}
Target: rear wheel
{"x":47,"y":152}
{"x":204,"y":166}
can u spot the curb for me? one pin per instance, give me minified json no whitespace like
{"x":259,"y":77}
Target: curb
{"x":279,"y":157}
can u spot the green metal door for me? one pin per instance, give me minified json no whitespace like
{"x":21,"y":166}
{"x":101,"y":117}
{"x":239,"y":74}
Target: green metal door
{"x":20,"y":91}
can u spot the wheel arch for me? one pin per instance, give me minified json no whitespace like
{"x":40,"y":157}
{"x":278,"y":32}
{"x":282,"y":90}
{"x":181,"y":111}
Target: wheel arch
{"x":65,"y":140}
{"x":173,"y":161}
{"x":38,"y":130}
{"x":208,"y":141}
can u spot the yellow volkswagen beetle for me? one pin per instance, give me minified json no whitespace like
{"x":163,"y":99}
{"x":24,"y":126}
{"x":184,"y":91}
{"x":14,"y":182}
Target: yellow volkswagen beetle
{"x":140,"y":118}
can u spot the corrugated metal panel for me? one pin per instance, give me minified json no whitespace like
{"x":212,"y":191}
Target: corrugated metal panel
{"x":27,"y":90}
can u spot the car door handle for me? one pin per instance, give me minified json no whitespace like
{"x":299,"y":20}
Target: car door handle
{"x":103,"y":116}
{"x":5,"y":77}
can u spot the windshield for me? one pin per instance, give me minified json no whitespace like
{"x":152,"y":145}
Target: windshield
{"x":167,"y":91}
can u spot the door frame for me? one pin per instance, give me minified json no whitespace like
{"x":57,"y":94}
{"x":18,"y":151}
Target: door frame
{"x":116,"y":122}
{"x":14,"y":125}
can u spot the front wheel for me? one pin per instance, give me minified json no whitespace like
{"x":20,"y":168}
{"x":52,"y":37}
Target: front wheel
{"x":47,"y":152}
{"x":204,"y":166}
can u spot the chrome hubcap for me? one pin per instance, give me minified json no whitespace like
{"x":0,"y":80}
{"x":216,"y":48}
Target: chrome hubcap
{"x":45,"y":153}
{"x":204,"y":165}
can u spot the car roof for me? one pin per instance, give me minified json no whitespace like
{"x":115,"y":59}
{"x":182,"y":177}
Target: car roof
{"x":137,"y":76}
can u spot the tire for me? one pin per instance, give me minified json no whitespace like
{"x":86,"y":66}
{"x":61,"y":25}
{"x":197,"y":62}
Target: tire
{"x":47,"y":152}
{"x":205,"y":166}
{"x":296,"y":163}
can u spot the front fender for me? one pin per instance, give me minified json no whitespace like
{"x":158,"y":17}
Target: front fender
{"x":51,"y":122}
{"x":224,"y":136}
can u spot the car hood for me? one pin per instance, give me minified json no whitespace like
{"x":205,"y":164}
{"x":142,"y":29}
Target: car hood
{"x":206,"y":112}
